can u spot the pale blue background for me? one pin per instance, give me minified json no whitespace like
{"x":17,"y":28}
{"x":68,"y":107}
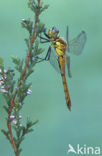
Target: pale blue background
{"x":57,"y":126}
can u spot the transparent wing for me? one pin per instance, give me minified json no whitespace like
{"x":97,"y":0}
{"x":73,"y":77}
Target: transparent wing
{"x":77,"y":44}
{"x":53,"y":59}
{"x":67,"y":67}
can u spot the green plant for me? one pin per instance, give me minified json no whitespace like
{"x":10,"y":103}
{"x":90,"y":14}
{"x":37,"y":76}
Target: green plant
{"x":15,"y":91}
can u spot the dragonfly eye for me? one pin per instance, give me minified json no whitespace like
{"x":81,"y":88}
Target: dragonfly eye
{"x":55,"y":29}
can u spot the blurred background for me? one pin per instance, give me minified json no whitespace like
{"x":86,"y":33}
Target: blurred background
{"x":57,"y":126}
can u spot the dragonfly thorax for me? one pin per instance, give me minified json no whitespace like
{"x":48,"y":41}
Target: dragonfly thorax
{"x":60,"y":46}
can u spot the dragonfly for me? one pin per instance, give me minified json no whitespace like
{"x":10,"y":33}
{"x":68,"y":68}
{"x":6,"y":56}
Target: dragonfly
{"x":58,"y":54}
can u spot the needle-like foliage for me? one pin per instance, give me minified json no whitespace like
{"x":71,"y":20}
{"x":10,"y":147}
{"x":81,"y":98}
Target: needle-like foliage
{"x":15,"y":91}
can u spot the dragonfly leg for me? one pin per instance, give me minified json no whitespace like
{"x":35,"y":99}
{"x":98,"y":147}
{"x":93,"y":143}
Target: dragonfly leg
{"x":68,"y":66}
{"x":47,"y":57}
{"x":45,"y":40}
{"x":46,"y":35}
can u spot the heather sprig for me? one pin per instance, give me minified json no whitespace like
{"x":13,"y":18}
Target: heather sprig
{"x":15,"y":91}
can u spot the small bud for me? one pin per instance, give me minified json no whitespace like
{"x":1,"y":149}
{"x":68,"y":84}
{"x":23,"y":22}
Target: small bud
{"x":5,"y":71}
{"x":12,"y":116}
{"x":1,"y":82}
{"x":23,"y":20}
{"x":29,"y":92}
{"x":3,"y":91}
{"x":9,"y":86}
{"x":20,"y":116}
{"x":2,"y":87}
{"x":20,"y":103}
{"x":20,"y":125}
{"x":1,"y":79}
{"x":14,"y":122}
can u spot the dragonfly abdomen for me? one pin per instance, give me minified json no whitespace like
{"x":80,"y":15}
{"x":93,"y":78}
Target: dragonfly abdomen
{"x":61,"y":61}
{"x":67,"y":97}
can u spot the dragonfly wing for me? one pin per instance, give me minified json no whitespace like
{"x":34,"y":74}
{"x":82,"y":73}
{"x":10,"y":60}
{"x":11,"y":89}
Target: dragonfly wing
{"x":67,"y":37}
{"x":77,"y":44}
{"x":68,"y":66}
{"x":53,"y":59}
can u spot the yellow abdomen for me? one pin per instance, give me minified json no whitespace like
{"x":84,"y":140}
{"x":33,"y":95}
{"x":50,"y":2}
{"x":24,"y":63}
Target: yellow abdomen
{"x":60,"y":47}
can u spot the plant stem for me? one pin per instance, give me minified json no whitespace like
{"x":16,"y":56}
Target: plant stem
{"x":19,"y":84}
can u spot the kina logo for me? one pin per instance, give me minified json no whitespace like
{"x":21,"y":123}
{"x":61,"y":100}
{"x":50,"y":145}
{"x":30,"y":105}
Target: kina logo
{"x":84,"y":150}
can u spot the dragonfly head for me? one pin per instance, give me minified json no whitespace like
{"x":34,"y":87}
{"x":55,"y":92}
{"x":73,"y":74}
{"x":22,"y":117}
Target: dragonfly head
{"x":53,"y":33}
